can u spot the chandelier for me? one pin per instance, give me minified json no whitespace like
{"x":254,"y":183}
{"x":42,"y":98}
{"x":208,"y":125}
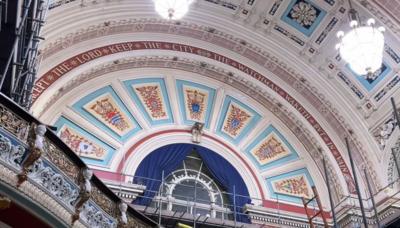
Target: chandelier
{"x":362,"y":47}
{"x":172,"y":9}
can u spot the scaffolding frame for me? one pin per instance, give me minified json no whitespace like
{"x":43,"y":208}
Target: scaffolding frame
{"x":22,"y":63}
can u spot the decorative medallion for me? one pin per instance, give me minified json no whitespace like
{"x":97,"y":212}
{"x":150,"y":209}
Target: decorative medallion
{"x":150,"y":95}
{"x":270,"y":149}
{"x":236,"y":119}
{"x":105,"y":109}
{"x":296,"y":186}
{"x":196,"y":103}
{"x":80,"y":145}
{"x":303,"y":15}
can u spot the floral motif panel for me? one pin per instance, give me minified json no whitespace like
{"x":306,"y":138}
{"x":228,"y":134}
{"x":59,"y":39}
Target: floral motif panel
{"x":151,"y":97}
{"x":80,"y":145}
{"x":303,"y":16}
{"x":291,"y":186}
{"x":296,"y":186}
{"x":105,"y":109}
{"x":236,"y":120}
{"x":270,"y":149}
{"x":91,"y":149}
{"x":195,"y":104}
{"x":195,"y":101}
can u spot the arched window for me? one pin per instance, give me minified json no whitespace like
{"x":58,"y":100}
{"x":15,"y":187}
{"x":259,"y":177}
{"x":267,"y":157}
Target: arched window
{"x":191,"y":189}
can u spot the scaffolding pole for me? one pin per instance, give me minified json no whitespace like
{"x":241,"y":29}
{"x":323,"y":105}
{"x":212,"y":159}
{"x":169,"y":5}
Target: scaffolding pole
{"x":329,"y":193}
{"x":356,"y":183}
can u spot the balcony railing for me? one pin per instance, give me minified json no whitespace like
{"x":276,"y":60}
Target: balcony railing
{"x":54,"y":177}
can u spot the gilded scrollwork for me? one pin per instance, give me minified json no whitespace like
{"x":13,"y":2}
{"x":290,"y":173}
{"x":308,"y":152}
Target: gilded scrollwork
{"x":13,"y":123}
{"x":43,"y":164}
{"x":135,"y":223}
{"x":103,"y":201}
{"x":56,"y":156}
{"x":95,"y":217}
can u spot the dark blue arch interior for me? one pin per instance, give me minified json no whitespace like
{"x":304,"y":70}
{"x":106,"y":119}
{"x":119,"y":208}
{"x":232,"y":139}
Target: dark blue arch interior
{"x":169,"y":157}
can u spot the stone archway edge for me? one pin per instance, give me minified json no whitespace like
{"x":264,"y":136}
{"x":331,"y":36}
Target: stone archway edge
{"x":61,"y":69}
{"x":118,"y":176}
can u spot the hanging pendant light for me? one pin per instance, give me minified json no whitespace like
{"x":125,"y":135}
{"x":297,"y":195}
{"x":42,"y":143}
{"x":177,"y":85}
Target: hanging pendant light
{"x":172,"y":9}
{"x":362,"y":47}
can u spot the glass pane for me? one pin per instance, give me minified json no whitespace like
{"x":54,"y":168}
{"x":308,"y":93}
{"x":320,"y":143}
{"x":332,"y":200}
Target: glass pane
{"x":202,"y":195}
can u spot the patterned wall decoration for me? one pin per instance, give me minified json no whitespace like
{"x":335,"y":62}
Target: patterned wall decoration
{"x":270,"y":149}
{"x":395,"y":81}
{"x":196,"y":102}
{"x":392,"y":54}
{"x":370,"y":83}
{"x":150,"y":95}
{"x":105,"y":109}
{"x":351,"y":85}
{"x":291,"y":186}
{"x":275,"y":7}
{"x":236,"y":120}
{"x":327,"y":30}
{"x":330,"y":2}
{"x":289,"y":35}
{"x":303,"y":16}
{"x":91,"y":149}
{"x":296,"y":186}
{"x":223,"y":3}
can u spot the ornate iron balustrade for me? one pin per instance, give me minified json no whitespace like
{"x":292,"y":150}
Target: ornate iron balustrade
{"x":39,"y":165}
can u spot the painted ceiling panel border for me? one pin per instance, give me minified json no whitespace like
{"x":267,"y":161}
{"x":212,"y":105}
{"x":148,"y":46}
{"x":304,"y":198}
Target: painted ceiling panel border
{"x":91,"y":149}
{"x":151,"y":97}
{"x":189,"y":102}
{"x":290,"y":186}
{"x":377,"y":77}
{"x":105,"y":109}
{"x":304,"y":16}
{"x":272,"y":148}
{"x":236,"y":120}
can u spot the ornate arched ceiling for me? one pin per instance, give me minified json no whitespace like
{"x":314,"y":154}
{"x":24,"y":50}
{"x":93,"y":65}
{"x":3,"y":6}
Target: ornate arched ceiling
{"x":252,"y":61}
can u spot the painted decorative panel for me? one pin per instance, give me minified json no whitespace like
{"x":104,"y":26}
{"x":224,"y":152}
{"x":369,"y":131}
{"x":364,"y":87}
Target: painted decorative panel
{"x":195,"y":102}
{"x":270,"y":149}
{"x":370,"y":83}
{"x":351,"y":85}
{"x":291,"y":186}
{"x":296,"y":186}
{"x":106,"y":110}
{"x":150,"y":95}
{"x":236,"y":120}
{"x":91,"y":149}
{"x":303,"y":16}
{"x":395,"y":81}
